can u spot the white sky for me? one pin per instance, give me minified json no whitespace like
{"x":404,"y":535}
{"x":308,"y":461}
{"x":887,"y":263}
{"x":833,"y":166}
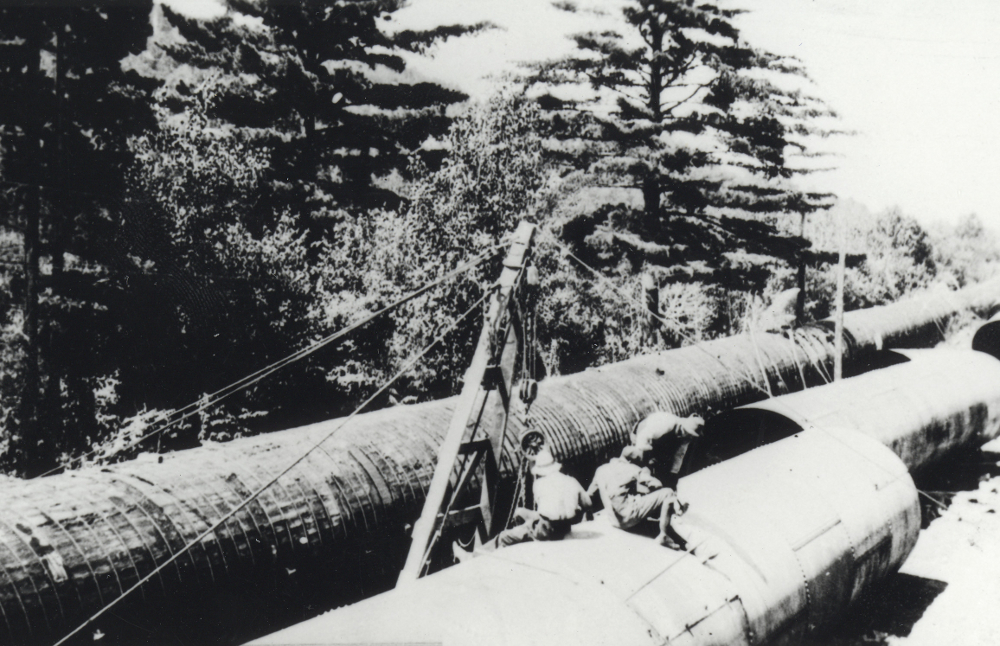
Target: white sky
{"x":918,"y":79}
{"x":205,"y":9}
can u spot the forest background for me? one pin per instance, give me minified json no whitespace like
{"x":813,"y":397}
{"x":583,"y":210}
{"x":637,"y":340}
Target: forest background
{"x":185,"y":202}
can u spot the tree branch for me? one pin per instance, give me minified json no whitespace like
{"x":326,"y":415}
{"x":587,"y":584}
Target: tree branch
{"x":697,"y":89}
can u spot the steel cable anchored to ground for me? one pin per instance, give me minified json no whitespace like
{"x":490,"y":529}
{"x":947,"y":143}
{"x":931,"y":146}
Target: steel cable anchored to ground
{"x":212,"y":399}
{"x":334,"y":529}
{"x":256,"y":493}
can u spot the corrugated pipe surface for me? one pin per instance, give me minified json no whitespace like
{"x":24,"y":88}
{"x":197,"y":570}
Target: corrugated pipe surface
{"x":782,"y":538}
{"x":917,"y":321}
{"x":335,"y":528}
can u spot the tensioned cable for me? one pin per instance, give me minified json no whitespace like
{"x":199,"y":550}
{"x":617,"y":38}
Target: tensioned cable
{"x":753,"y":382}
{"x":48,"y":187}
{"x":214,"y":398}
{"x":932,"y":499}
{"x":253,"y":496}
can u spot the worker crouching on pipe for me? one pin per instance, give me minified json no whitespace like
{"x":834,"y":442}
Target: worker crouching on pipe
{"x":560,"y":502}
{"x":664,"y":438}
{"x":642,"y":483}
{"x":631,"y":495}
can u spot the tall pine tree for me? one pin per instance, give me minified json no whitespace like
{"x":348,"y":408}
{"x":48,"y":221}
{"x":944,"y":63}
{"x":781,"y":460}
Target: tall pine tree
{"x":326,"y":85}
{"x":280,"y":125}
{"x":695,"y":126}
{"x":68,"y":110}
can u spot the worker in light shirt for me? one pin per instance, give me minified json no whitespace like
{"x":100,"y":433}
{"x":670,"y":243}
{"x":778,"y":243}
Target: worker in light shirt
{"x":662,"y":439}
{"x":631,"y":495}
{"x":560,"y":501}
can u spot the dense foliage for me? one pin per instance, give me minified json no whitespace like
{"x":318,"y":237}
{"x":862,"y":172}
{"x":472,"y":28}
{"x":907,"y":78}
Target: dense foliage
{"x":188,"y":201}
{"x":68,"y":108}
{"x":695,"y":135}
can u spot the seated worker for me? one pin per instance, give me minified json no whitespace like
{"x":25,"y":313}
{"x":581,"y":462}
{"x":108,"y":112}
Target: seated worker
{"x":663,"y":438}
{"x":632,"y":495}
{"x":560,"y":502}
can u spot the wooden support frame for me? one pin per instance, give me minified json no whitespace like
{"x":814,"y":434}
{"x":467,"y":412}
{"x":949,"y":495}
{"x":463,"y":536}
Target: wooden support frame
{"x":491,"y":370}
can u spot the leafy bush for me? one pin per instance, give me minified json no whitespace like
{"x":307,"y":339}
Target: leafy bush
{"x":898,"y":258}
{"x":966,"y":253}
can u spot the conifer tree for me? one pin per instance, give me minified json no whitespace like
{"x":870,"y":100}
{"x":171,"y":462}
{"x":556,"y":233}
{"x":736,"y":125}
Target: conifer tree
{"x":325,"y":95}
{"x":696,"y":127}
{"x":65,"y":116}
{"x":279,"y":125}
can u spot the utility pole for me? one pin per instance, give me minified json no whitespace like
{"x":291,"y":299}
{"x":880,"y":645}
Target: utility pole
{"x":838,"y":359}
{"x":651,"y":294}
{"x":490,"y":377}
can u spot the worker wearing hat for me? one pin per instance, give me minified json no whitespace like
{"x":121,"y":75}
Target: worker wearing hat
{"x":560,"y":502}
{"x":663,"y":439}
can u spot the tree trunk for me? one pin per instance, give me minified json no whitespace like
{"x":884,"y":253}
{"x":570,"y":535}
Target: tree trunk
{"x":51,"y":400}
{"x":30,"y":438}
{"x":652,"y":298}
{"x":838,"y":362}
{"x":652,"y":190}
{"x":800,"y":299}
{"x":29,"y":397}
{"x":57,"y":233}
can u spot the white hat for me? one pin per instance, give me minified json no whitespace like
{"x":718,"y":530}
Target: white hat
{"x":544,"y":463}
{"x":633,"y":454}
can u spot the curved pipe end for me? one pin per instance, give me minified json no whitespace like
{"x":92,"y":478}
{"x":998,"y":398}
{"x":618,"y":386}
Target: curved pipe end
{"x":736,"y":432}
{"x":987,"y":338}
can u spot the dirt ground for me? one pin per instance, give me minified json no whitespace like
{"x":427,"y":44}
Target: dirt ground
{"x":961,"y":549}
{"x":948,"y":591}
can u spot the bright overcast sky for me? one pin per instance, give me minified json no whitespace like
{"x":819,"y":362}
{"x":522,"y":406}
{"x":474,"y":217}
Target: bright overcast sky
{"x":918,"y":79}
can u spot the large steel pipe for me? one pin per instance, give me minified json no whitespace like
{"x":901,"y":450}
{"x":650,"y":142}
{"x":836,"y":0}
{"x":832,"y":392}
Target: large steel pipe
{"x":785,"y":536}
{"x":987,"y":337}
{"x":916,"y":322}
{"x":334,"y":529}
{"x":923,"y":409}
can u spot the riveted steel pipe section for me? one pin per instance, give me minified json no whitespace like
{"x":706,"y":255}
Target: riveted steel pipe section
{"x":334,"y":529}
{"x":916,"y":322}
{"x":785,"y":537}
{"x":922,"y":410}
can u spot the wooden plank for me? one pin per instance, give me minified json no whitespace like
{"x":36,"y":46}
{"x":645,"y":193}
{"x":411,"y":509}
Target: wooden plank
{"x":424,"y":528}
